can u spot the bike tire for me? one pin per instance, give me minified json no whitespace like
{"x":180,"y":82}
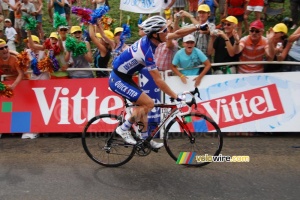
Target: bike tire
{"x":177,"y":141}
{"x":103,"y":145}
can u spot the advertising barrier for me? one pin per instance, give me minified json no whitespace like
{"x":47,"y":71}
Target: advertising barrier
{"x":267,"y":102}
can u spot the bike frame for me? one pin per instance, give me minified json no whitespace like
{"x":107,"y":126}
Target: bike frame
{"x":174,"y":113}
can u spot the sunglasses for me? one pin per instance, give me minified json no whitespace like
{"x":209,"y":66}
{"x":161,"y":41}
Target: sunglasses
{"x":77,"y":32}
{"x":63,"y":29}
{"x":5,"y":47}
{"x":226,"y":24}
{"x":256,"y":31}
{"x":163,"y":31}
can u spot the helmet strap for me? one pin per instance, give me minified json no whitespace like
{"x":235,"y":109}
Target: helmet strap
{"x":156,"y":38}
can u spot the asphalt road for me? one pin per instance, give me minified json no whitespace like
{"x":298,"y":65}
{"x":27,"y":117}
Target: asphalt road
{"x":58,"y":168}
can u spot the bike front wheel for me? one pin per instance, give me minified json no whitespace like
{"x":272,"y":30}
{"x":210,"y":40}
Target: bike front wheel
{"x":193,"y":139}
{"x":102,"y":144}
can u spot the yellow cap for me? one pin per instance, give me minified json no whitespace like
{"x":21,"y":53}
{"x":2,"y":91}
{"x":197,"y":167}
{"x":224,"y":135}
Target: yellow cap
{"x":108,"y":34}
{"x":2,"y":41}
{"x":231,"y":19}
{"x":75,"y":29}
{"x":204,"y":7}
{"x":118,"y":29}
{"x":281,"y":27}
{"x":35,"y":38}
{"x":54,"y":35}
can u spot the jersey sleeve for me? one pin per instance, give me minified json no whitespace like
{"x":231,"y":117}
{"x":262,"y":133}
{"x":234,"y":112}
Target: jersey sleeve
{"x":149,"y":60}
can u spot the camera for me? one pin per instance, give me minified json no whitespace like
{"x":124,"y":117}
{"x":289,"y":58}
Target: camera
{"x":215,"y":32}
{"x":204,"y":27}
{"x":177,"y":15}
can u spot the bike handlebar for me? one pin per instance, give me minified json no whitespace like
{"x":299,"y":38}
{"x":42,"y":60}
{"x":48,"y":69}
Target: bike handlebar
{"x":190,"y":103}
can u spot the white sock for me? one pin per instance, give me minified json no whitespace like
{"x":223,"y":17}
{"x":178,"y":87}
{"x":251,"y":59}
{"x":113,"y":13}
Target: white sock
{"x":126,"y":125}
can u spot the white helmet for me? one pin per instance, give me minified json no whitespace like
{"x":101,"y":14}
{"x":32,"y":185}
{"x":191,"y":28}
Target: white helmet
{"x":153,"y":24}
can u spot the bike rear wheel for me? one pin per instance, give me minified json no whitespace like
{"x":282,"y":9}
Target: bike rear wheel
{"x":103,"y":145}
{"x":206,"y":139}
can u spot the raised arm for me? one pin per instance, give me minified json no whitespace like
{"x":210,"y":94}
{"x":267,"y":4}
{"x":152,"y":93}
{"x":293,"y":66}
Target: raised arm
{"x":270,"y":50}
{"x":31,"y":44}
{"x":95,"y":40}
{"x":111,"y":43}
{"x":162,"y":84}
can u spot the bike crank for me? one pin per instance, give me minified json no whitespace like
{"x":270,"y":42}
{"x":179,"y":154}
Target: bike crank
{"x":143,"y":148}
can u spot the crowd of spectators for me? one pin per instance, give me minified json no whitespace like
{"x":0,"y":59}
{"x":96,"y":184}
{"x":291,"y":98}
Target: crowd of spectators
{"x":215,"y":42}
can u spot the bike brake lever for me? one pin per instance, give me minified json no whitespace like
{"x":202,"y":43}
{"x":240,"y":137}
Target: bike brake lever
{"x":196,"y":91}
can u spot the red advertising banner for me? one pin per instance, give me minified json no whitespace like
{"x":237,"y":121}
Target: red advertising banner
{"x":63,"y":105}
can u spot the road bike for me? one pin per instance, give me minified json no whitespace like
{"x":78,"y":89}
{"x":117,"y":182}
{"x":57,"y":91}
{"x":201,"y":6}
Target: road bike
{"x":185,"y":131}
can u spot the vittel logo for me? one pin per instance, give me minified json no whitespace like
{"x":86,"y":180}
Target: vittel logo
{"x":64,"y":108}
{"x":244,"y":107}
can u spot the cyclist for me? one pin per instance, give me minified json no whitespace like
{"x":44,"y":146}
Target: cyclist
{"x":138,"y":56}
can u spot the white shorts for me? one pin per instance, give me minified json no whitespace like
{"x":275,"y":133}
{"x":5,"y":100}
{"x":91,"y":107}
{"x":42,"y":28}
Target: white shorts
{"x":4,"y":5}
{"x":19,"y":23}
{"x":255,"y":8}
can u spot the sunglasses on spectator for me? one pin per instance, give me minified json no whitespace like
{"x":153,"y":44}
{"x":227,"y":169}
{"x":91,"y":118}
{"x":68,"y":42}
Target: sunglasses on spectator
{"x":63,"y":29}
{"x":5,"y":47}
{"x":226,"y":24}
{"x":254,"y":30}
{"x":163,"y":31}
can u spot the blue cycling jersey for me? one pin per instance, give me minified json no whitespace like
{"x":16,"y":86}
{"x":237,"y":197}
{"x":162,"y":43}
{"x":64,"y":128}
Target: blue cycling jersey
{"x":136,"y":57}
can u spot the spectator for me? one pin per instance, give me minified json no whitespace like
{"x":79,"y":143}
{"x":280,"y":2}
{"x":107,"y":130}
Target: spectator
{"x":28,"y":10}
{"x":1,"y":23}
{"x":294,"y":8}
{"x":189,"y":58}
{"x":104,"y":42}
{"x":165,"y":51}
{"x":177,"y":6}
{"x":166,"y":6}
{"x":254,"y":47}
{"x":221,"y":8}
{"x":213,"y":4}
{"x":36,"y":53}
{"x":280,"y":40}
{"x":5,"y":10}
{"x":67,"y":7}
{"x":80,"y":61}
{"x":117,"y":33}
{"x":223,"y":43}
{"x":59,"y":7}
{"x":255,"y":6}
{"x":50,"y":11}
{"x":237,"y":9}
{"x":9,"y":66}
{"x":193,"y":7}
{"x":62,"y":73}
{"x":99,"y":3}
{"x":11,"y":35}
{"x":294,"y":52}
{"x":202,"y":36}
{"x":18,"y":19}
{"x":11,"y":14}
{"x":38,"y":5}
